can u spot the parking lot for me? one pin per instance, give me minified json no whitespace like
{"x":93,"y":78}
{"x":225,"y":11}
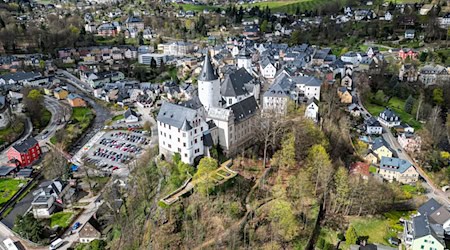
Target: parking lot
{"x":113,"y":150}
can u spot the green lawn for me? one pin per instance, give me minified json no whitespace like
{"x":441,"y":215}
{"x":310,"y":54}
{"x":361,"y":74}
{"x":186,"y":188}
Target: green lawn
{"x":329,"y":235}
{"x":61,"y":219}
{"x":377,"y":230}
{"x":9,"y":187}
{"x":117,"y":117}
{"x":82,"y":116}
{"x":397,"y":105}
{"x":289,"y":6}
{"x":373,"y":169}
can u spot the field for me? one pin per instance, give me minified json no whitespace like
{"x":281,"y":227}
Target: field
{"x":61,"y":219}
{"x":396,"y":105}
{"x":9,"y":187}
{"x":83,"y":116}
{"x":289,"y":6}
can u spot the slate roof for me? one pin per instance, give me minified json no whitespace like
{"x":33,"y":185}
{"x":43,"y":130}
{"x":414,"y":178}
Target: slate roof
{"x":394,"y":164}
{"x":91,"y":229}
{"x":193,"y":103}
{"x":388,"y":114}
{"x":307,"y":80}
{"x":378,"y":143}
{"x":372,"y":122}
{"x":429,"y":207}
{"x":312,"y":100}
{"x":4,"y":170}
{"x":422,"y":227}
{"x":25,"y":145}
{"x":72,"y":96}
{"x":234,"y":83}
{"x":440,"y":216}
{"x":25,"y":172}
{"x":130,"y":112}
{"x":207,"y":139}
{"x":19,"y":76}
{"x":175,"y":115}
{"x":208,"y":73}
{"x":244,"y":109}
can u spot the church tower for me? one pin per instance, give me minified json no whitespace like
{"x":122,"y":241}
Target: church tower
{"x":208,"y":85}
{"x":244,"y":60}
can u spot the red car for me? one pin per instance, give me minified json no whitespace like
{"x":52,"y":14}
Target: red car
{"x":115,"y":168}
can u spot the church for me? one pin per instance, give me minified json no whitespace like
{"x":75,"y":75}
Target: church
{"x":224,"y":114}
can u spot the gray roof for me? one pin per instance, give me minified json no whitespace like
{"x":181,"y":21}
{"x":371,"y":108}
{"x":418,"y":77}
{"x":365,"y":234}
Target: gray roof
{"x":422,"y":227}
{"x":176,"y":115}
{"x":372,"y":122}
{"x":207,"y":139}
{"x":25,"y":145}
{"x":244,"y":109}
{"x":388,"y":114}
{"x":208,"y":73}
{"x":395,"y":164}
{"x":429,"y":207}
{"x":4,"y":170}
{"x":307,"y":80}
{"x":130,"y":112}
{"x":25,"y":172}
{"x":440,"y":216}
{"x":311,"y":100}
{"x":380,"y":142}
{"x":19,"y":76}
{"x":234,"y":83}
{"x":41,"y":199}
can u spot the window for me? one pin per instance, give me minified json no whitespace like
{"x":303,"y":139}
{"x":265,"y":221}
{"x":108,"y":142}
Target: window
{"x":169,"y":126}
{"x":170,"y":146}
{"x":178,"y":139}
{"x":195,"y":131}
{"x":164,"y":134}
{"x":160,"y":132}
{"x":184,"y":134}
{"x":184,"y":144}
{"x":178,"y":130}
{"x":179,"y":150}
{"x":195,"y":141}
{"x":185,"y":155}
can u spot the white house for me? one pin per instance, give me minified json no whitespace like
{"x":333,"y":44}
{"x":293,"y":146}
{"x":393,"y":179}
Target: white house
{"x":373,"y":126}
{"x":389,"y":118}
{"x":43,"y":206}
{"x":312,"y":109}
{"x":410,"y":34}
{"x":267,"y":68}
{"x":131,"y":116}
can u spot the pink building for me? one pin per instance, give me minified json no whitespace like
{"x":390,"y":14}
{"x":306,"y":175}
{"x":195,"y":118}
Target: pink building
{"x":405,"y":53}
{"x":409,"y":142}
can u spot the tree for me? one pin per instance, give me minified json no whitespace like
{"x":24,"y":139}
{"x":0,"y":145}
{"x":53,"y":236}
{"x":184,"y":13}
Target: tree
{"x":264,"y":26}
{"x":55,"y":165}
{"x":319,"y":165}
{"x":285,"y":157}
{"x":283,"y":219}
{"x":438,"y":96}
{"x":147,"y":126}
{"x":29,"y":227}
{"x":409,"y":104}
{"x":351,"y":236}
{"x":205,"y":169}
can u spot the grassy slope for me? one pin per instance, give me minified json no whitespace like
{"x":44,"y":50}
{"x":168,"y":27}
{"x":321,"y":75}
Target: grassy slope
{"x":289,"y":6}
{"x":194,"y":7}
{"x":61,"y":219}
{"x":397,"y":105}
{"x":8,"y":187}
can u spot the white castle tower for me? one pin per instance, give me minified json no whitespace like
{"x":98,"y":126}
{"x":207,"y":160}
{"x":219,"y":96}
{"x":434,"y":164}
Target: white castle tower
{"x":208,"y":85}
{"x":244,"y":60}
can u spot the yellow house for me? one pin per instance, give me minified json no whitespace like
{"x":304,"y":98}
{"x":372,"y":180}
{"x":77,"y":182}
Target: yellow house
{"x":371,"y":158}
{"x":61,"y":94}
{"x":344,"y":95}
{"x":380,"y":148}
{"x":398,"y":169}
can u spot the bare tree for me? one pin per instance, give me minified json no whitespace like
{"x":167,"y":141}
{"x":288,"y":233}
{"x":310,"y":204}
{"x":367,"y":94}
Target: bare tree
{"x":55,"y":165}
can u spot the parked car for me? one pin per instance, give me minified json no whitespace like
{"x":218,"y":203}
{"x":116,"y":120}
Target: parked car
{"x":394,"y":241}
{"x":76,"y":225}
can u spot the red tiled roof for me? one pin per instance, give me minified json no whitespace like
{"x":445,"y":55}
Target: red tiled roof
{"x":359,"y":168}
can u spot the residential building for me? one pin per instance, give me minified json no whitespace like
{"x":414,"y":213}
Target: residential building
{"x":90,"y":231}
{"x":347,"y":82}
{"x":134,"y":22}
{"x":312,"y":109}
{"x":131,"y":116}
{"x":99,"y":79}
{"x":24,"y":153}
{"x":238,"y":85}
{"x":410,"y":142}
{"x":267,"y":68}
{"x":244,"y":60}
{"x":398,"y":169}
{"x":444,"y":21}
{"x":76,"y":100}
{"x":18,"y":78}
{"x":389,"y":118}
{"x":176,"y":48}
{"x":378,"y":149}
{"x":360,"y":169}
{"x":344,"y":95}
{"x":407,"y":53}
{"x":427,"y":235}
{"x":354,"y":109}
{"x":107,"y":29}
{"x":5,"y":112}
{"x":373,"y":126}
{"x":61,"y":93}
{"x":408,"y":72}
{"x":43,"y":206}
{"x":148,"y":57}
{"x":434,"y":74}
{"x":181,"y":130}
{"x":410,"y":34}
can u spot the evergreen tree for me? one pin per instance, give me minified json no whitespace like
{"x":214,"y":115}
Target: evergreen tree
{"x":409,"y":104}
